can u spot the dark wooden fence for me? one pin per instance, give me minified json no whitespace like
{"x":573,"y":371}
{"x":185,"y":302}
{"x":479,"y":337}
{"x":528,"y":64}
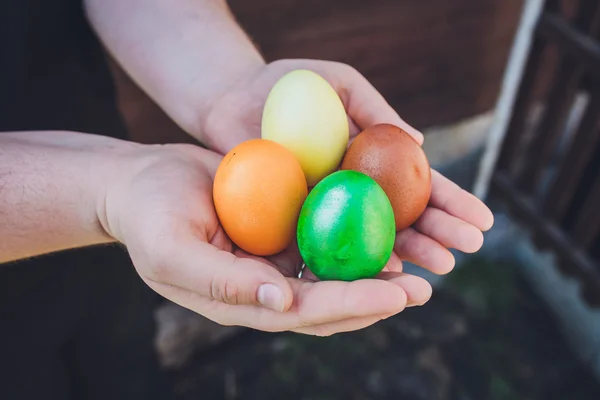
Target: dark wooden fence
{"x":548,"y":170}
{"x":435,"y":61}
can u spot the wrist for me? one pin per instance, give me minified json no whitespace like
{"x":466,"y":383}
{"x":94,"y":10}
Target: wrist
{"x":110,"y":170}
{"x":194,"y":112}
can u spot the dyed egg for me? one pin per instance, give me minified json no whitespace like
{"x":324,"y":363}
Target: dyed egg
{"x":258,"y":191}
{"x":346,"y":227}
{"x":305,"y":114}
{"x":396,"y":161}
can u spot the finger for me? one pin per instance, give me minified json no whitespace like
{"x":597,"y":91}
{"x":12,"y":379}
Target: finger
{"x":418,"y":290}
{"x":451,"y":198}
{"x":314,"y":303}
{"x":203,"y":269}
{"x":203,"y":306}
{"x":421,"y":250}
{"x":449,"y":231}
{"x":367,"y":106}
{"x":354,"y":129}
{"x":348,"y":325}
{"x":394,"y":264}
{"x":328,"y":301}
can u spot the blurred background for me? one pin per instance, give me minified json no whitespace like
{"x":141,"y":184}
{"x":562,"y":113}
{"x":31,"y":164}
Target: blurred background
{"x":506,"y":92}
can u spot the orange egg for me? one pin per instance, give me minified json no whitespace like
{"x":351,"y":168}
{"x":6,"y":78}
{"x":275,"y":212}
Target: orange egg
{"x":395,"y":160}
{"x":258,"y":191}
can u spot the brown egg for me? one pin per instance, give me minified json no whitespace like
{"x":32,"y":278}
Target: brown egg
{"x":395,"y":160}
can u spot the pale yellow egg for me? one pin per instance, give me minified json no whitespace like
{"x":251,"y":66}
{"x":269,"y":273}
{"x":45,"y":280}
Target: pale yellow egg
{"x":305,"y":114}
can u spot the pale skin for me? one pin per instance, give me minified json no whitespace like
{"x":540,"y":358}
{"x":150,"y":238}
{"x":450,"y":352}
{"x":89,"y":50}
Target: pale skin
{"x":61,"y":190}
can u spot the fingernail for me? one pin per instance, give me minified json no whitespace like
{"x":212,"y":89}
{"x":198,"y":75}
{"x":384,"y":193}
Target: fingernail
{"x":270,"y":296}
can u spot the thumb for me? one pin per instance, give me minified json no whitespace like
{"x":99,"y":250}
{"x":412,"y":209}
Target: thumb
{"x":201,"y":268}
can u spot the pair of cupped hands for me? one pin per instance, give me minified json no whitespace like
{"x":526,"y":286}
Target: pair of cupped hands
{"x":160,"y":206}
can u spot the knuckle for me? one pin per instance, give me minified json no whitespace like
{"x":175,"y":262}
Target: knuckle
{"x":347,"y":68}
{"x":282,"y":62}
{"x":352,"y":70}
{"x":222,"y":321}
{"x":443,"y":199}
{"x":160,"y":264}
{"x":219,"y":319}
{"x":211,"y":123}
{"x":421,"y":251}
{"x":322,"y":331}
{"x":224,"y":291}
{"x":308,"y":327}
{"x":159,"y":270}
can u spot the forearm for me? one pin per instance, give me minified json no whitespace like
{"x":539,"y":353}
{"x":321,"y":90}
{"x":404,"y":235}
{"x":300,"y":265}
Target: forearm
{"x":183,"y":53}
{"x":51,"y":188}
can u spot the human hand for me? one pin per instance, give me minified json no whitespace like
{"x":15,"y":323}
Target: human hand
{"x":159,"y":204}
{"x":454,"y":218}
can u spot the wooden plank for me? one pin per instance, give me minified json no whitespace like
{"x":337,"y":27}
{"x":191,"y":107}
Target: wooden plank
{"x":575,"y":44}
{"x":507,"y":98}
{"x":522,"y":107}
{"x":581,"y":265}
{"x":302,"y":20}
{"x":548,"y":131}
{"x":565,"y":86}
{"x":435,"y":62}
{"x":578,"y":157}
{"x":569,"y":193}
{"x":587,"y":225}
{"x":588,"y":17}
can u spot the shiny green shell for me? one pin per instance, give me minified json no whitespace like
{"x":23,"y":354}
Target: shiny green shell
{"x":346,"y":227}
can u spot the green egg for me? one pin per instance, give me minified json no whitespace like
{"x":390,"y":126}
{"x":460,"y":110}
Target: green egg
{"x":346,"y":227}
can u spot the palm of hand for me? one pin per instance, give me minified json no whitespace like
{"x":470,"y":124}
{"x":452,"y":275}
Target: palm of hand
{"x":454,"y":218}
{"x":181,"y":251}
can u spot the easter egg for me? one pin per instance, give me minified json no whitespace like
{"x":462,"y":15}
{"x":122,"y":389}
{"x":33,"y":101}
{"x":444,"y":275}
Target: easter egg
{"x":258,"y":190}
{"x":346,"y":227}
{"x":305,"y":114}
{"x":396,"y":161}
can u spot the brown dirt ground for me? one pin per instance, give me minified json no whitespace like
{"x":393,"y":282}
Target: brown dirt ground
{"x":483,"y":336}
